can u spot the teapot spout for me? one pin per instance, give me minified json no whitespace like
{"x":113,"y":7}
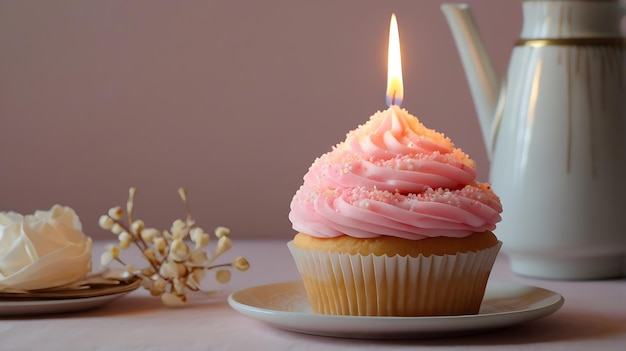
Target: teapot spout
{"x":481,"y":76}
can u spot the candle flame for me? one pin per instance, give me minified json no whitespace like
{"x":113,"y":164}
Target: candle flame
{"x":395,"y":88}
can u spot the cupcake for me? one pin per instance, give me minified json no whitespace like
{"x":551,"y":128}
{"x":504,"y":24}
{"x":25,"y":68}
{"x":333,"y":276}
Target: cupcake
{"x":392,"y":222}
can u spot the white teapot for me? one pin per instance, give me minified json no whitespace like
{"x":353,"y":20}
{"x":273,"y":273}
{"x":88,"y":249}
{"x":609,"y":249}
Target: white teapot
{"x":555,"y":132}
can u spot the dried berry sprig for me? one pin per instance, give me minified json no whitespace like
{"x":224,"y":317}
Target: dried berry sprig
{"x":174,"y":266}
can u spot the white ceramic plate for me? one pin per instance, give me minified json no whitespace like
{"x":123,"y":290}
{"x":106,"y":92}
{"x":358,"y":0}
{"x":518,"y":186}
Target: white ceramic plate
{"x":285,"y":306}
{"x":25,"y":304}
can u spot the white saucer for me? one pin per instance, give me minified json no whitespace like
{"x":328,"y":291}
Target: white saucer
{"x":28,"y":304}
{"x":285,"y":306}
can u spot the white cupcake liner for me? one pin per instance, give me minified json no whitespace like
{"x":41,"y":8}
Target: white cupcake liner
{"x":358,"y":285}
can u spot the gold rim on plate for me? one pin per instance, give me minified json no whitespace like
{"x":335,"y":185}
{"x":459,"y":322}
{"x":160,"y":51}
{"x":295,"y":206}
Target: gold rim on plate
{"x":92,"y":290}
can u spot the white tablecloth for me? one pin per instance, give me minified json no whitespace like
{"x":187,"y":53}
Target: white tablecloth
{"x":593,"y":318}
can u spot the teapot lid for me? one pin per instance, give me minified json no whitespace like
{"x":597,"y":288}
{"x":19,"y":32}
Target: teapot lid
{"x":562,"y":19}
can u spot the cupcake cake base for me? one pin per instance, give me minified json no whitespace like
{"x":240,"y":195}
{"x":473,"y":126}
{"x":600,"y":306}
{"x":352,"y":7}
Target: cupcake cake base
{"x":424,"y":284}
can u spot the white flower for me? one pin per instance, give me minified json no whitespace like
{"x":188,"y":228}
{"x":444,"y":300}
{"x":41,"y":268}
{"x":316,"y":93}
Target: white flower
{"x":173,"y":300}
{"x":179,"y":287}
{"x":149,"y":234}
{"x":174,"y":266}
{"x":199,"y":237}
{"x":147,"y":272}
{"x":117,"y":229}
{"x":221,"y":231}
{"x":172,"y":269}
{"x":179,"y":229}
{"x":42,"y":250}
{"x":222,"y":276}
{"x":106,"y":222}
{"x":109,"y":255}
{"x":179,"y":251}
{"x":125,"y":240}
{"x":160,"y":244}
{"x":223,"y":244}
{"x":116,"y":213}
{"x":241,"y":264}
{"x":138,"y":226}
{"x":158,"y":287}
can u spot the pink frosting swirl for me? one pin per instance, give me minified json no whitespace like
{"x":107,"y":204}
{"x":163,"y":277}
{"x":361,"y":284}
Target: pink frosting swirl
{"x":393,"y":176}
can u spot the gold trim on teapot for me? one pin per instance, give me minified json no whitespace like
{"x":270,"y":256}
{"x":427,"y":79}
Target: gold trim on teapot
{"x":571,"y":42}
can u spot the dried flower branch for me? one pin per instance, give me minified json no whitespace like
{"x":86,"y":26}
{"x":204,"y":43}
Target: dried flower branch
{"x":174,"y":266}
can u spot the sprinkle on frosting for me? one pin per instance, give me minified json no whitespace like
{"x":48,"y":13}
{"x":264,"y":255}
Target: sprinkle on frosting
{"x":393,"y":176}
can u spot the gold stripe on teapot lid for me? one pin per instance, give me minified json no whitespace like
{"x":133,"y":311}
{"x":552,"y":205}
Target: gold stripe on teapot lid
{"x":571,"y":41}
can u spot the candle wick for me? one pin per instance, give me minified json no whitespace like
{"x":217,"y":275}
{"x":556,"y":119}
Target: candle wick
{"x":392,"y":98}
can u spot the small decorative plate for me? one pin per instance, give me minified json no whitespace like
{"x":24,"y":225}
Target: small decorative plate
{"x":285,"y":306}
{"x":58,"y":301}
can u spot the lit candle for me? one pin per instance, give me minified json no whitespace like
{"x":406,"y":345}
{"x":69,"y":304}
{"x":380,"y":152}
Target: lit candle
{"x":395,"y":88}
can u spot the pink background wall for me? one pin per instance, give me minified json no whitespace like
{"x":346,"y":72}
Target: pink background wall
{"x":231,"y":99}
